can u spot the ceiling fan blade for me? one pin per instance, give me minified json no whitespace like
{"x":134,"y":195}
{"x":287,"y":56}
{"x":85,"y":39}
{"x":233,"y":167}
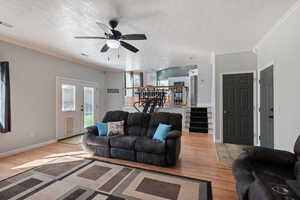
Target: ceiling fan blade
{"x":129,"y":47}
{"x":105,"y":28}
{"x":89,"y":37}
{"x":134,"y":37}
{"x":104,"y":48}
{"x":6,"y":24}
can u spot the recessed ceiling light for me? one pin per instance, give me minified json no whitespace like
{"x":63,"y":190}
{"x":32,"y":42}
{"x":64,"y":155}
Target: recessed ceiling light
{"x":6,"y":24}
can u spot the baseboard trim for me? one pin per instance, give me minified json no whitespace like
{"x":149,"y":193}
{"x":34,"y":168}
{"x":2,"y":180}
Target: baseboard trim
{"x":16,"y":151}
{"x":218,"y":141}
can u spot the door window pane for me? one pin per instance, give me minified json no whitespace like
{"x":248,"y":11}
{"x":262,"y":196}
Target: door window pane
{"x":88,"y":106}
{"x":68,"y":98}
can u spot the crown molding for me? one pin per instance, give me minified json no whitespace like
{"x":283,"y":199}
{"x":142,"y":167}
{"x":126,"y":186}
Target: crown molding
{"x":56,"y":54}
{"x":282,"y":20}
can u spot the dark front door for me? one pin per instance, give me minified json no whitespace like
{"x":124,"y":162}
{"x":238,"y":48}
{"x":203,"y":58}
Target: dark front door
{"x":267,"y":108}
{"x":238,"y":108}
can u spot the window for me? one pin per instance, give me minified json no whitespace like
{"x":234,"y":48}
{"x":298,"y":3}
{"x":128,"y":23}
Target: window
{"x":5,"y":115}
{"x":128,"y":83}
{"x":133,"y":79}
{"x":68,"y":98}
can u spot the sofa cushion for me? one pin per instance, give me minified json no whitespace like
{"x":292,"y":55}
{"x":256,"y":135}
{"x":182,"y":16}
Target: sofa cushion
{"x":165,"y":118}
{"x":137,"y":124}
{"x":152,"y":159}
{"x":123,"y":142}
{"x":161,"y":132}
{"x":115,"y":128}
{"x":145,"y":144}
{"x":102,"y":128}
{"x":114,"y":116}
{"x":277,"y":157}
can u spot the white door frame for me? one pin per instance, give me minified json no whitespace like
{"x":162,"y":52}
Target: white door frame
{"x":254,"y":103}
{"x":258,"y":99}
{"x":59,"y":79}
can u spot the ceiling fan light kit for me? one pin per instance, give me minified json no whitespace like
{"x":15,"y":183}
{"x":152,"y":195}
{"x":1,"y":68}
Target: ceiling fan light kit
{"x":114,"y":38}
{"x":114,"y":44}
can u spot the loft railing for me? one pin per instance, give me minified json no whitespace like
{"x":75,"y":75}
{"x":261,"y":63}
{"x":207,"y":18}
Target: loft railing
{"x":162,"y":96}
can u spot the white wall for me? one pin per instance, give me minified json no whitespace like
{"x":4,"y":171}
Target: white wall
{"x":282,"y":46}
{"x":237,"y":62}
{"x":33,"y":82}
{"x":114,"y":80}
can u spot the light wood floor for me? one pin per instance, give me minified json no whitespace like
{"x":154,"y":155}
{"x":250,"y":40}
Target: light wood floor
{"x":198,"y":160}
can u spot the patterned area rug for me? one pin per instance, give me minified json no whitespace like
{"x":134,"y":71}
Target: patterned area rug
{"x":227,"y":153}
{"x":70,"y":178}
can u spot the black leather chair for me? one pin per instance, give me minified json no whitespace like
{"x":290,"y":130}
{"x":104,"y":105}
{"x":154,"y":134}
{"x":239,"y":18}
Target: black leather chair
{"x":258,"y":171}
{"x":137,"y":143}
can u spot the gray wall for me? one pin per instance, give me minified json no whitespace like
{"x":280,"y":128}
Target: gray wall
{"x":236,"y":62}
{"x":114,"y":80}
{"x":174,"y":72}
{"x":204,"y":85}
{"x":33,"y":88}
{"x":282,"y":47}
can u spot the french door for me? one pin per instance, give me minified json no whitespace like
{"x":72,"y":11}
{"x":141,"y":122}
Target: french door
{"x":76,"y":106}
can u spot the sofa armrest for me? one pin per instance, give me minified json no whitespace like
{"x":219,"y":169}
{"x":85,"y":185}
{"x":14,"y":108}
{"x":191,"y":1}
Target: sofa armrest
{"x":92,"y":130}
{"x":173,"y":134}
{"x":271,"y":156}
{"x":173,"y":145}
{"x":243,"y":174}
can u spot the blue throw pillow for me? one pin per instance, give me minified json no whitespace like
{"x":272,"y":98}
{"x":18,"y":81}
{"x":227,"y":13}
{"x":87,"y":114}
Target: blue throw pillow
{"x":161,"y":132}
{"x":102,"y":128}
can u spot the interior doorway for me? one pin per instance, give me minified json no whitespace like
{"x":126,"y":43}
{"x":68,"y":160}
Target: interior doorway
{"x":238,"y":108}
{"x":77,"y":106}
{"x":266,"y":106}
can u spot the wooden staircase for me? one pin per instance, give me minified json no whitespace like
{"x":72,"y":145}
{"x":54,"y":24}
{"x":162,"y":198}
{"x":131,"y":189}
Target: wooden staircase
{"x":199,"y":120}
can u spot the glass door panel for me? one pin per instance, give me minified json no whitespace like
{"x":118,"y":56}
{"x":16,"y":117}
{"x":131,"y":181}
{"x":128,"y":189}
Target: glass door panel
{"x":68,"y":98}
{"x":89,"y":107}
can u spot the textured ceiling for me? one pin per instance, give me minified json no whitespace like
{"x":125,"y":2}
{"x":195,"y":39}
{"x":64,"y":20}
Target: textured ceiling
{"x":180,"y":32}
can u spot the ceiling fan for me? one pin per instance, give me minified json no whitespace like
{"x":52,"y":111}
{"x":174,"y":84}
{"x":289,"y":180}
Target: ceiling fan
{"x":114,"y":38}
{"x":6,"y":24}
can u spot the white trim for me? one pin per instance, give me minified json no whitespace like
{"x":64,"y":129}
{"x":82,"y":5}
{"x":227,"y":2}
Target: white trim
{"x":258,"y":99}
{"x":82,"y":82}
{"x":254,"y":103}
{"x":283,"y":19}
{"x":213,"y":95}
{"x":16,"y":151}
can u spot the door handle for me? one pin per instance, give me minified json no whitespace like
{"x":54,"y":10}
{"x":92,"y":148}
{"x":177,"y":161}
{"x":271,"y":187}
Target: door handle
{"x":272,"y":111}
{"x":225,"y":111}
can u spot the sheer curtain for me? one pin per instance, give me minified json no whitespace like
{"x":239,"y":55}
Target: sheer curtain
{"x":5,"y":121}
